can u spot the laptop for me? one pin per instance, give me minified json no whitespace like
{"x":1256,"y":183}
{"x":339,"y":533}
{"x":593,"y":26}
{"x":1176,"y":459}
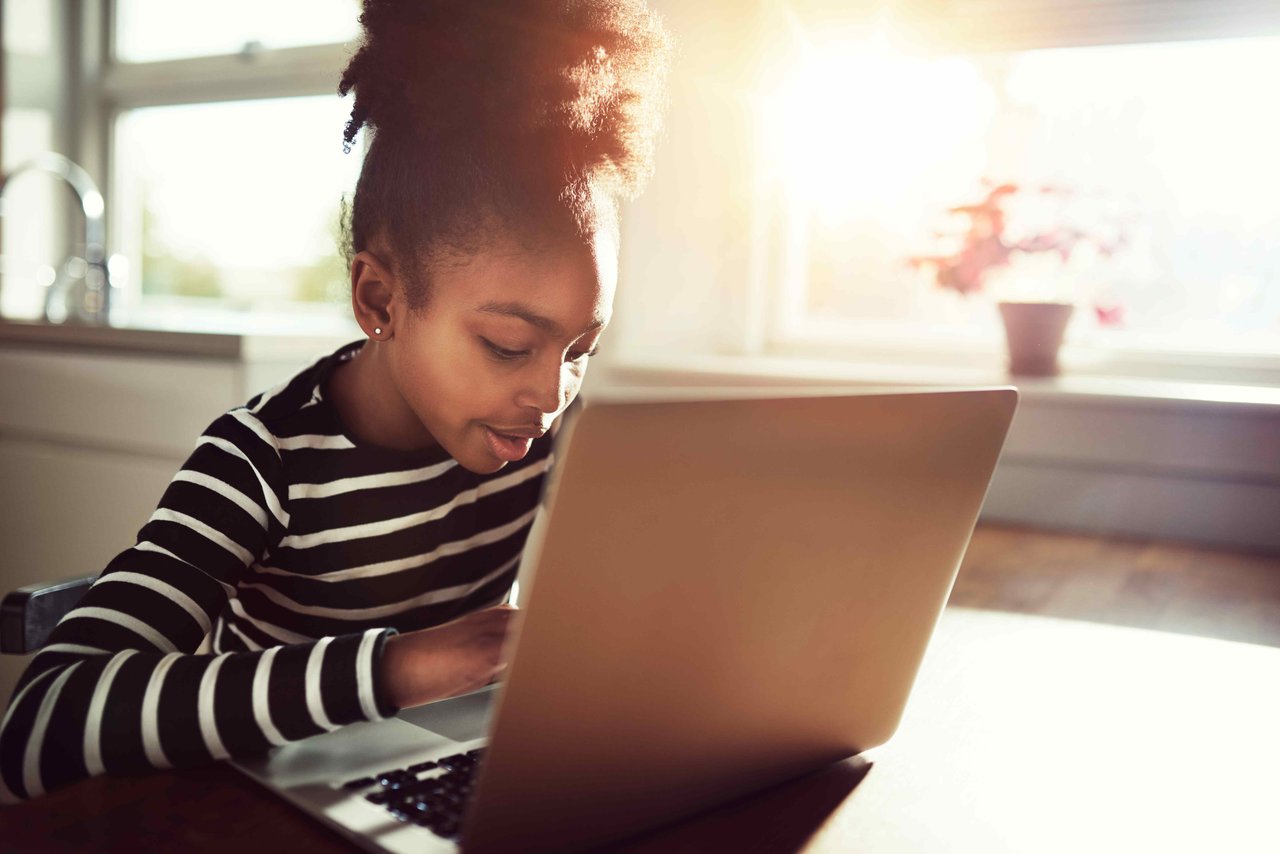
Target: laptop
{"x":725,"y":594}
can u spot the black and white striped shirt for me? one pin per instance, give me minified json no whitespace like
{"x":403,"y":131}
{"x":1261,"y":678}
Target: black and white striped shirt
{"x":297,"y":551}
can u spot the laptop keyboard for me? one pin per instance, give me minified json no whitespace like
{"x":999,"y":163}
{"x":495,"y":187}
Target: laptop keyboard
{"x":429,"y":794}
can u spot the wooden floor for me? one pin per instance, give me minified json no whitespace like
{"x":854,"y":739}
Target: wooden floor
{"x":1148,"y":584}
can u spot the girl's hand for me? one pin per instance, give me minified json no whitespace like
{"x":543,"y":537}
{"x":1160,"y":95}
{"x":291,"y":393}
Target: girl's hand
{"x":431,"y":664}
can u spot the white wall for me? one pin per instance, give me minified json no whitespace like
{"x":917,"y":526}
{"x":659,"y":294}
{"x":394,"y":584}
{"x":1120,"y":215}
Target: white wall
{"x":687,"y":241}
{"x":1134,"y":459}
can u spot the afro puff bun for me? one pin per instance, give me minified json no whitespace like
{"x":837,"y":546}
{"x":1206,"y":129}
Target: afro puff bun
{"x":507,"y":113}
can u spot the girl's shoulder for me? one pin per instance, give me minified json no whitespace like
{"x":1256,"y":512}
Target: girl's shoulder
{"x":292,"y":413}
{"x":301,"y":391}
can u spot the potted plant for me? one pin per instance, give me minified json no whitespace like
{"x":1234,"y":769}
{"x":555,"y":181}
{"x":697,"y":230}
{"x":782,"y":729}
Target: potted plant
{"x":1035,"y":317}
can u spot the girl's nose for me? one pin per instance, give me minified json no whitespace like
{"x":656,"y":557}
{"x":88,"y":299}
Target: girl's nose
{"x":546,"y":392}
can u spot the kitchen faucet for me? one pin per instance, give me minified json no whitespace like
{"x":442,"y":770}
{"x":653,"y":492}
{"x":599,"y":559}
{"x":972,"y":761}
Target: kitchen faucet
{"x":83,"y":283}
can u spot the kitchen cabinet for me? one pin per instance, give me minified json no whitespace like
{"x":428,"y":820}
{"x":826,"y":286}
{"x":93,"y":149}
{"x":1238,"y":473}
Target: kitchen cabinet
{"x":94,"y":421}
{"x":93,"y":424}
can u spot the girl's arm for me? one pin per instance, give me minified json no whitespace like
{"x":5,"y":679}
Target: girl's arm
{"x":118,"y":688}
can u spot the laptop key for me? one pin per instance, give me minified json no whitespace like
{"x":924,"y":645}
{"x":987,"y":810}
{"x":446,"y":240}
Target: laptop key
{"x":362,"y":783}
{"x":461,"y":760}
{"x":418,"y":790}
{"x":397,"y":778}
{"x":421,"y":766}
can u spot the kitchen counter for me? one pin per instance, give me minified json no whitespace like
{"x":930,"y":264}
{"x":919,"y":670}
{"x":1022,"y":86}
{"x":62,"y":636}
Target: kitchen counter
{"x":226,"y":337}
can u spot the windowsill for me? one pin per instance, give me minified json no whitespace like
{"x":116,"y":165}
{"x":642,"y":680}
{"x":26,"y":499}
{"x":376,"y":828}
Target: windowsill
{"x":658,"y":370}
{"x":245,"y":337}
{"x":201,"y":335}
{"x":1195,"y":359}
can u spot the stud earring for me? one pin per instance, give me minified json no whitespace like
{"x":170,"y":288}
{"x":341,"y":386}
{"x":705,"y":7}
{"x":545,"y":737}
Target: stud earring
{"x":377,"y":330}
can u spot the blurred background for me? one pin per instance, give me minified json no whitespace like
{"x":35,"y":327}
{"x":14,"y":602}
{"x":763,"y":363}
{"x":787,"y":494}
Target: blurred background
{"x":844,"y":192}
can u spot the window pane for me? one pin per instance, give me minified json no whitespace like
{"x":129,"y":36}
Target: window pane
{"x":36,"y":206}
{"x":28,"y":26}
{"x":152,"y":30}
{"x":236,"y":201}
{"x":34,"y":209}
{"x":1170,"y":146}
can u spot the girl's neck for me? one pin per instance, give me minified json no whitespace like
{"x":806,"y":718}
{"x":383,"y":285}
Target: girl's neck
{"x":371,"y":407}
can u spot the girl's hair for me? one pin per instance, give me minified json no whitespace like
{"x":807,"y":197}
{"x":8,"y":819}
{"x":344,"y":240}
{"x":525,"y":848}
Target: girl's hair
{"x":532,"y":118}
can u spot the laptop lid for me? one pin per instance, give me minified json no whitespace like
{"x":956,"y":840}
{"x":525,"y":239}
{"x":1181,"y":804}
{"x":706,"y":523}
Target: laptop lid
{"x":729,"y":593}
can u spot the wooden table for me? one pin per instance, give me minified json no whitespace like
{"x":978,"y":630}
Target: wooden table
{"x":1024,"y":734}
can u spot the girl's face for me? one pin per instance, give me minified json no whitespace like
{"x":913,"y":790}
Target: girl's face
{"x":502,"y":345}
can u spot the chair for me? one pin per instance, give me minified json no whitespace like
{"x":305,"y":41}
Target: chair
{"x":28,"y":614}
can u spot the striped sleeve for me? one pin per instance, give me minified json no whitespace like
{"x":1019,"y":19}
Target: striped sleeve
{"x":119,"y":689}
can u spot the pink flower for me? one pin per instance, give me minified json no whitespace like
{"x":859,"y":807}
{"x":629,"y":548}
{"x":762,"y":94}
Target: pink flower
{"x":986,"y":248}
{"x":1109,"y":315}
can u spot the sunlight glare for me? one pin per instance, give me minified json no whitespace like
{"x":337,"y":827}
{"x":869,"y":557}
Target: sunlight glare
{"x":860,"y":128}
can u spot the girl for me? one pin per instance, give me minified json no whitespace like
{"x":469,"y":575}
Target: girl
{"x":343,"y":538}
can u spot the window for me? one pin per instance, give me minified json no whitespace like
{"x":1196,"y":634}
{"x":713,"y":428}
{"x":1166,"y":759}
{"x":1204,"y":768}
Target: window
{"x":236,"y":201}
{"x":1168,"y":144}
{"x":153,"y":30}
{"x":227,"y":166}
{"x":215,"y":135}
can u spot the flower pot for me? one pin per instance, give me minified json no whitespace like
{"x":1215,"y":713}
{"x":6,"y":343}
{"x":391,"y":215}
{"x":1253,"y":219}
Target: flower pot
{"x":1034,"y":332}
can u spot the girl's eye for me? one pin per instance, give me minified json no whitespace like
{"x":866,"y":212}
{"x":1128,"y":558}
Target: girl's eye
{"x":583,"y":354}
{"x":502,"y":352}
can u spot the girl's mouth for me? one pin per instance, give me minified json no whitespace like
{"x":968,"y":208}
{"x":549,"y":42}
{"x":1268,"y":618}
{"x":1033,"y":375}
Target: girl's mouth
{"x":507,"y":447}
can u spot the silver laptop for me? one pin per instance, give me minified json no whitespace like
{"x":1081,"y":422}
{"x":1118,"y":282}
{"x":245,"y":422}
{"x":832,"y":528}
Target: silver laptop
{"x":726,"y":594}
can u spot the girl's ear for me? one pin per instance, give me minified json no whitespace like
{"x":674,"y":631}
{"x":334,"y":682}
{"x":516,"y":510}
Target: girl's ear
{"x":374,"y":296}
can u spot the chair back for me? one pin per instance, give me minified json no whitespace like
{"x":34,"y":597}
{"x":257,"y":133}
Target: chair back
{"x":28,"y":614}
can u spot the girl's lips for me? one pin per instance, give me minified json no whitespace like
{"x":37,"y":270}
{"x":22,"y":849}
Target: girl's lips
{"x":506,"y":447}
